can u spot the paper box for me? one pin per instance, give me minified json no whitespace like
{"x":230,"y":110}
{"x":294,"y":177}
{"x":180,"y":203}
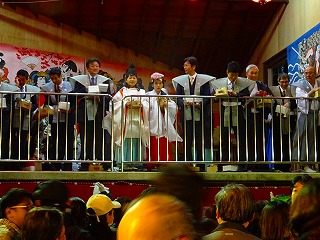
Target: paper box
{"x":282,"y":110}
{"x":3,"y":103}
{"x":64,"y":106}
{"x":135,"y":104}
{"x":221,"y":92}
{"x":93,"y":89}
{"x":263,"y":102}
{"x":195,"y":99}
{"x":103,"y":87}
{"x":25,"y":104}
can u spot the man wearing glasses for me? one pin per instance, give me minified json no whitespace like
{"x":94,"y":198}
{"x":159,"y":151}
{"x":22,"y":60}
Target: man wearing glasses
{"x":14,"y":206}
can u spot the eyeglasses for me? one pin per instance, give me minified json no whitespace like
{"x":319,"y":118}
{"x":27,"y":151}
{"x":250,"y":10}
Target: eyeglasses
{"x":28,"y":207}
{"x":308,"y":73}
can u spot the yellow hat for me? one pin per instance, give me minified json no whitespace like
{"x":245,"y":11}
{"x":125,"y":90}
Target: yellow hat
{"x":101,"y":204}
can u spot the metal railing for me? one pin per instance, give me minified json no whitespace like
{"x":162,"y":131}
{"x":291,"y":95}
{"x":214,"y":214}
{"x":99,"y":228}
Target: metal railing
{"x":143,"y":131}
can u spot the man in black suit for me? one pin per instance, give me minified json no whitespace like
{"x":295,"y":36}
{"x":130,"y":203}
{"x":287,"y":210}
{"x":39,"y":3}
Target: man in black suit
{"x":63,"y":120}
{"x":232,"y":112}
{"x":91,"y":110}
{"x":283,"y":123}
{"x":196,"y":114}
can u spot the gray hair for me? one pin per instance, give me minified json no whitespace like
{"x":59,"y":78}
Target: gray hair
{"x":251,"y":66}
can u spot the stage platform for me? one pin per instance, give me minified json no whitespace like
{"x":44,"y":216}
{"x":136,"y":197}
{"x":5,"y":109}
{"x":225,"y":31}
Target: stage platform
{"x":266,"y":178}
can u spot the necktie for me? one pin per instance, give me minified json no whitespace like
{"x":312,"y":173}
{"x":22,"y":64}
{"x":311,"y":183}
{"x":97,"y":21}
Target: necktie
{"x":57,"y":88}
{"x":232,"y":85}
{"x":191,"y":80}
{"x":23,"y":95}
{"x":93,"y":81}
{"x":284,"y":93}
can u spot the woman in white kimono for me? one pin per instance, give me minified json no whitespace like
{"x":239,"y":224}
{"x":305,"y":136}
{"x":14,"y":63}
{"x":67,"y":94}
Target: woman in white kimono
{"x":163,"y":112}
{"x":130,"y":118}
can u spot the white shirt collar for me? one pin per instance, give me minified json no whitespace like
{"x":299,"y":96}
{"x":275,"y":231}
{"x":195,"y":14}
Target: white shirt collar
{"x":194,"y":76}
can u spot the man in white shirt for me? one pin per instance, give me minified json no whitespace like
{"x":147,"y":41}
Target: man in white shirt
{"x":304,"y":141}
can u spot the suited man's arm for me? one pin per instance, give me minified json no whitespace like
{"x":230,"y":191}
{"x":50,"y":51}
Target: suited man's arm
{"x":79,"y":88}
{"x":180,"y":91}
{"x":10,"y":103}
{"x":243,"y":93}
{"x":34,"y":102}
{"x":205,"y":91}
{"x":72,"y":100}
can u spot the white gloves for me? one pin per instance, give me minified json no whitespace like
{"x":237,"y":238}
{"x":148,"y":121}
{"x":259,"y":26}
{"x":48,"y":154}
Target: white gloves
{"x":99,"y":187}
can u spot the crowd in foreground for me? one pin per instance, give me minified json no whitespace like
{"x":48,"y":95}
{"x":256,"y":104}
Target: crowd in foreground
{"x":169,"y":210}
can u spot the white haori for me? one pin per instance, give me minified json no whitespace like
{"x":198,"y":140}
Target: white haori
{"x":91,"y":104}
{"x":200,"y":80}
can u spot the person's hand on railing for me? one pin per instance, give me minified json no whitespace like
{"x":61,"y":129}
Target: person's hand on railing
{"x":261,"y":93}
{"x":133,"y":104}
{"x":232,"y":93}
{"x":197,"y":104}
{"x":64,"y":110}
{"x":97,"y":98}
{"x":287,"y":105}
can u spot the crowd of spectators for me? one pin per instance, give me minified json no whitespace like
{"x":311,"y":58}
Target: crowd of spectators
{"x":166,"y":213}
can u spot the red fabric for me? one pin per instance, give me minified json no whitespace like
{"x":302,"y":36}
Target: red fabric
{"x":131,"y":189}
{"x":216,"y":117}
{"x":164,"y":149}
{"x":41,"y":100}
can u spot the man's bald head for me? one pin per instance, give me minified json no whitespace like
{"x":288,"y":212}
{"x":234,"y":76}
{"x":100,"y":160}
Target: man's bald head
{"x":159,"y":217}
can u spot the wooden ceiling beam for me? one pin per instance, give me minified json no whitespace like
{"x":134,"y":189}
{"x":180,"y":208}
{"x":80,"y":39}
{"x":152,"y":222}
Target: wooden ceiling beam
{"x":217,"y":38}
{"x":264,"y":28}
{"x":79,"y":19}
{"x":100,"y":22}
{"x":120,"y":23}
{"x":201,"y":28}
{"x":160,"y":31}
{"x":141,"y":26}
{"x":179,"y":34}
{"x":236,"y":48}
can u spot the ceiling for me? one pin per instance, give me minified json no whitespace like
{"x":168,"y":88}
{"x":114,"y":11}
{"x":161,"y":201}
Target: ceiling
{"x":214,"y":31}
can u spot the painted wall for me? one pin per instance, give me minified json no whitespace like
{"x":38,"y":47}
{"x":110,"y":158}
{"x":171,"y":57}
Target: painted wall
{"x":292,"y":21}
{"x":23,"y":29}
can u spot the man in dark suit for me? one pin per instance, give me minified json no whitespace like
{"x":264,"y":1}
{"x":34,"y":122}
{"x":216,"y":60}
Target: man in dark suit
{"x":232,"y":112}
{"x":62,"y":122}
{"x":25,"y":105}
{"x":91,"y":110}
{"x":257,"y":112}
{"x":7,"y":103}
{"x":196,"y":114}
{"x":283,"y":123}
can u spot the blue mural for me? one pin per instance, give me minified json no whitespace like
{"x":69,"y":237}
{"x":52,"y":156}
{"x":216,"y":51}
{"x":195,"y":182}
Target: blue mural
{"x":304,"y":52}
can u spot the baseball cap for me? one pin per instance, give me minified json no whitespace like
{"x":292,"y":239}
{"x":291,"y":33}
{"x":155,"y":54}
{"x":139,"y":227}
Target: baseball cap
{"x":101,"y":204}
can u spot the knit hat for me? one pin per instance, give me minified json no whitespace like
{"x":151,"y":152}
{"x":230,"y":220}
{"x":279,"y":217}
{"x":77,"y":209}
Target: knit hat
{"x":101,"y":204}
